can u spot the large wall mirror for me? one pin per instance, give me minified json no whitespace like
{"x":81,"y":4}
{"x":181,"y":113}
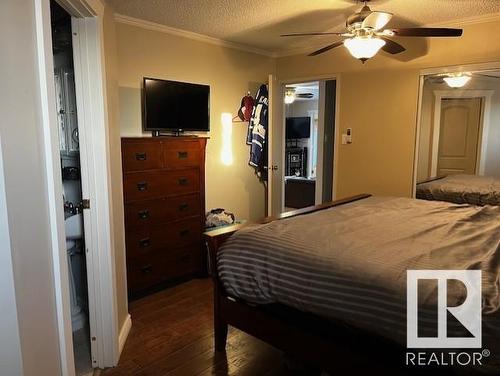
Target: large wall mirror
{"x":459,"y":134}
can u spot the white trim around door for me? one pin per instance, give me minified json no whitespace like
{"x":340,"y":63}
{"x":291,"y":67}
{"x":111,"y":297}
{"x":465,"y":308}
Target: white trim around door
{"x":87,"y":20}
{"x":321,"y":109}
{"x":54,"y":183}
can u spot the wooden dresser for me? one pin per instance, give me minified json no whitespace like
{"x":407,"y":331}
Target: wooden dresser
{"x":164,"y":195}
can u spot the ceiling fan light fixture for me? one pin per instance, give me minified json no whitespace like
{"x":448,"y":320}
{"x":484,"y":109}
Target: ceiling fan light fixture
{"x":289,"y":96}
{"x":457,"y":80}
{"x":364,"y":48}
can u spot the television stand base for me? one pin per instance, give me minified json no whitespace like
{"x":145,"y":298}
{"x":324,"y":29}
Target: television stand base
{"x":176,"y":133}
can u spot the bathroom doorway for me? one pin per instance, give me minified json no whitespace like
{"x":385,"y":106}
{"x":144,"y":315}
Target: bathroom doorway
{"x":69,"y":147}
{"x":107,"y":334}
{"x":309,"y":133}
{"x":301,"y":144}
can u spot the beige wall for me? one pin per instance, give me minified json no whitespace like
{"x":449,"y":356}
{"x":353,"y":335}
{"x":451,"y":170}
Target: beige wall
{"x":230,"y":74}
{"x":379,"y":101}
{"x":111,"y":68}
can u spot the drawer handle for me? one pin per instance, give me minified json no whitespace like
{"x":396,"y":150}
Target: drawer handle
{"x":142,"y":186}
{"x":184,"y":232}
{"x":147,"y":269}
{"x":143,"y":214}
{"x":140,"y":156}
{"x":144,"y":243}
{"x":182,"y":154}
{"x":184,"y":206}
{"x":185,"y":258}
{"x":183,"y":181}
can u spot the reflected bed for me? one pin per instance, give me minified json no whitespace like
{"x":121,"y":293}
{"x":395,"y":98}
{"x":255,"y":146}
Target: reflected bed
{"x":461,"y":189}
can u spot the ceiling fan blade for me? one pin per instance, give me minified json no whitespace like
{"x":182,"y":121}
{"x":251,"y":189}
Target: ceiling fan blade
{"x":392,"y":47}
{"x":327,"y":48}
{"x":485,"y":75}
{"x":376,"y":20}
{"x":308,"y":34}
{"x":427,"y":32}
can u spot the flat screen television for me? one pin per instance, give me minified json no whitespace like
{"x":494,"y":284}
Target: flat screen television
{"x":298,"y":127}
{"x":175,"y":106}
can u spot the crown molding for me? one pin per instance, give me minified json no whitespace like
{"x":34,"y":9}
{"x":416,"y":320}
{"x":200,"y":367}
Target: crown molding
{"x":295,"y":51}
{"x":189,"y":34}
{"x":495,"y":17}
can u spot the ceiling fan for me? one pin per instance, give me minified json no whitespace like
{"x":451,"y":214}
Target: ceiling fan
{"x":457,"y":79}
{"x":291,"y":94}
{"x":365,"y":35}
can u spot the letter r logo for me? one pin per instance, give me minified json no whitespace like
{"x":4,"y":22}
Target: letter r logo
{"x":467,"y":314}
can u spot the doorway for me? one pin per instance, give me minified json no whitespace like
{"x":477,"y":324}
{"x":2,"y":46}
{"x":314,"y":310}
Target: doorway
{"x":304,"y":134}
{"x":301,"y":144}
{"x":69,"y":147}
{"x":92,"y":142}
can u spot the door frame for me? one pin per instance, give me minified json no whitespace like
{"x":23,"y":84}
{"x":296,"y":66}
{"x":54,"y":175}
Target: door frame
{"x":87,"y":19}
{"x":478,"y":67}
{"x":484,"y":130}
{"x":321,"y":78}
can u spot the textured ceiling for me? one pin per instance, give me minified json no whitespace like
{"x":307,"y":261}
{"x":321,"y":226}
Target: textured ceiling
{"x":259,"y":23}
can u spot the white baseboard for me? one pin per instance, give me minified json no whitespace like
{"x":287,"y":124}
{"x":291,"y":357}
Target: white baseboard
{"x":124,"y":331}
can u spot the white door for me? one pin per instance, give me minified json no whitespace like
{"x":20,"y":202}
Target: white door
{"x":459,"y":136}
{"x":276,"y":147}
{"x":88,"y":185}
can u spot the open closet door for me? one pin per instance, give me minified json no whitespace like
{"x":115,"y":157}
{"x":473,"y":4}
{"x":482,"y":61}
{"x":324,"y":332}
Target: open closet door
{"x":276,"y":147}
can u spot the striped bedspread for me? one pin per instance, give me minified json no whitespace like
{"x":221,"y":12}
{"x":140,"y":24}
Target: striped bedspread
{"x":349,"y":263}
{"x":462,"y":189}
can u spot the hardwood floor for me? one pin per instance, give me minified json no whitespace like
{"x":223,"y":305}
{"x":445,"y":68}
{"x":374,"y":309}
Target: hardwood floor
{"x":172,"y":335}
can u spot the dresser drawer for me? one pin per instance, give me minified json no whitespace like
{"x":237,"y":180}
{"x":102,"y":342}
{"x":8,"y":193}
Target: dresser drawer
{"x":145,"y":272}
{"x":139,"y":156}
{"x":148,"y":185}
{"x":162,"y":210}
{"x":180,"y":156}
{"x":163,"y":238}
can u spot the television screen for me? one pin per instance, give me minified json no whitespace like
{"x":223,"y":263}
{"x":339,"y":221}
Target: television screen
{"x":171,"y":105}
{"x":298,"y":127}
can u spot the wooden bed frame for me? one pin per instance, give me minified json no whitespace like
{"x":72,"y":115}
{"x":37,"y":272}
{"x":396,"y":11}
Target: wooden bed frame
{"x":330,"y":346}
{"x":432,"y":179}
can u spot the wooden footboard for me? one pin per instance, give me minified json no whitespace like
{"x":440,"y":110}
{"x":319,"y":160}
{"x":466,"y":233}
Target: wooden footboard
{"x":285,"y":328}
{"x":432,"y":179}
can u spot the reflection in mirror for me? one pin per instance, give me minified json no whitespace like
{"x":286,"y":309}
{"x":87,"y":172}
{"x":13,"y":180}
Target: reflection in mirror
{"x":459,"y":138}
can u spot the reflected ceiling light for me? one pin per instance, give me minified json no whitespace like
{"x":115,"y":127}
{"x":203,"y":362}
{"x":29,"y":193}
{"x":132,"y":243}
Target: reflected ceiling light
{"x":457,"y":80}
{"x":289,"y":95}
{"x":364,"y":47}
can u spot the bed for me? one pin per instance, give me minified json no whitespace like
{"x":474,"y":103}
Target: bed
{"x":317,"y":282}
{"x":461,"y":189}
